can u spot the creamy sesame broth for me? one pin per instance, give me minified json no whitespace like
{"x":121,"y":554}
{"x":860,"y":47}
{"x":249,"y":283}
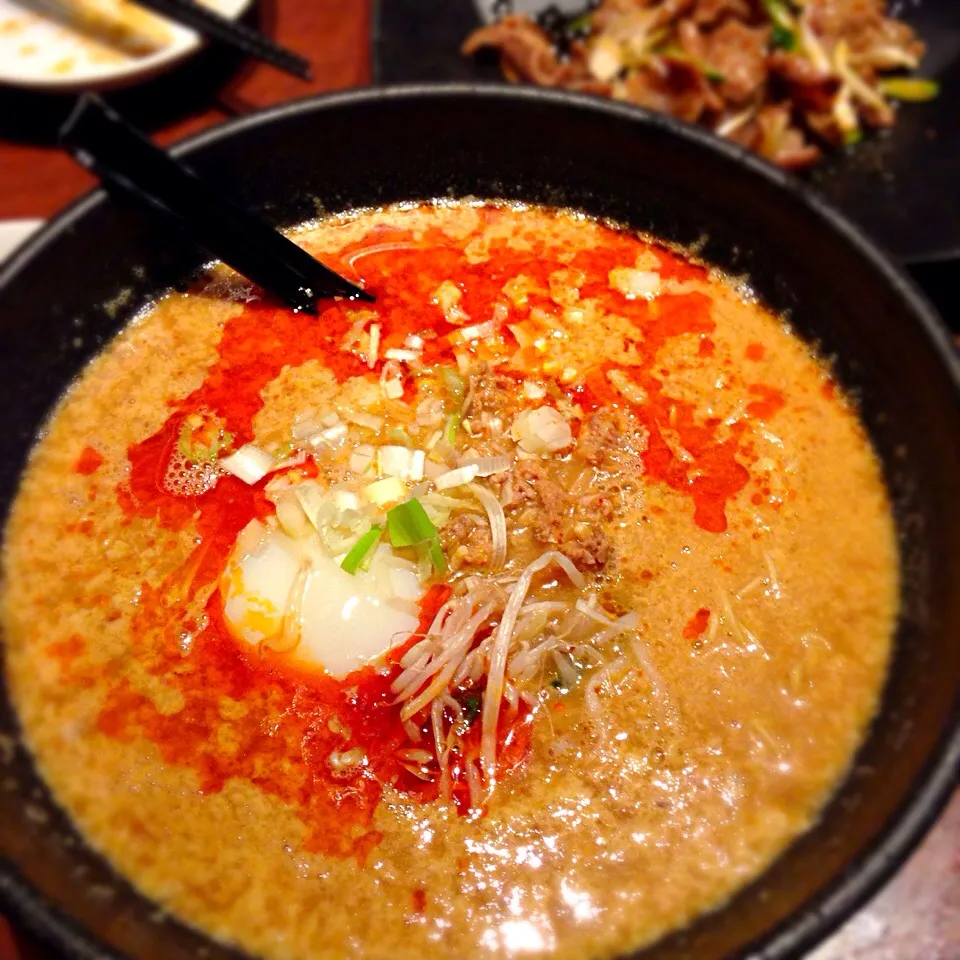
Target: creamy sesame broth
{"x":531,"y":610}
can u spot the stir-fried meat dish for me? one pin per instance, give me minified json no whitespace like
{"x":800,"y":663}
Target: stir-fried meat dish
{"x":784,"y":78}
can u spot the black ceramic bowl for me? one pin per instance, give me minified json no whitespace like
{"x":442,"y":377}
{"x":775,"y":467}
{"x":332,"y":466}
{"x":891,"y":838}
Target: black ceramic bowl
{"x":377,"y":146}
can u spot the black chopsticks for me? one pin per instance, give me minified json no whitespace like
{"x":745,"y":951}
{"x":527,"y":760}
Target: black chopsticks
{"x":207,"y":22}
{"x":102,"y":142}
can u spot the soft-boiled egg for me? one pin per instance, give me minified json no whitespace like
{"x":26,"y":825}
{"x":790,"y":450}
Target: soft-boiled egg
{"x":343,"y":620}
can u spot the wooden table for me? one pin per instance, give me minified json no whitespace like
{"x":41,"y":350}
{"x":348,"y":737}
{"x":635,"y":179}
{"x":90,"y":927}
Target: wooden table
{"x":917,"y":916}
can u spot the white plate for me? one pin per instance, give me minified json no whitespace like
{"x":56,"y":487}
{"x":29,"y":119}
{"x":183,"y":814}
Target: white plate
{"x":486,"y":7}
{"x":45,"y":46}
{"x":13,"y":233}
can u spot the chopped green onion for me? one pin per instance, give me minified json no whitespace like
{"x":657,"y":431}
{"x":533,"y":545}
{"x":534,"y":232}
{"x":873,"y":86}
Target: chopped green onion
{"x":779,"y":13}
{"x":284,"y":450}
{"x":471,"y":708}
{"x":675,"y":53}
{"x":453,"y":383}
{"x":451,"y":427}
{"x":361,"y":553}
{"x":580,"y":23}
{"x":852,"y":136}
{"x":912,"y":89}
{"x":399,"y":435}
{"x":408,"y":524}
{"x":783,"y":38}
{"x":201,"y":452}
{"x":437,"y":558}
{"x":784,"y":34}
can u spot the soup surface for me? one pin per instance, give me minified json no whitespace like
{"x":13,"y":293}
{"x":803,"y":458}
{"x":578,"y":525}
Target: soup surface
{"x":531,"y":610}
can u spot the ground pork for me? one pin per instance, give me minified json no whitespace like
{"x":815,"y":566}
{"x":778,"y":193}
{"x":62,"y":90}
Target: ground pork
{"x":466,"y":541}
{"x":557,"y":518}
{"x":613,"y":440}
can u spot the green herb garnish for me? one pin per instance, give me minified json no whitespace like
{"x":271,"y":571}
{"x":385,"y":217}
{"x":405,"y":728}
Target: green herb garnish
{"x":409,"y":526}
{"x":453,"y":383}
{"x":198,"y":444}
{"x":451,"y":427}
{"x":784,"y":35}
{"x":783,"y":38}
{"x":435,"y":552}
{"x":471,"y":707}
{"x":361,"y":553}
{"x":675,"y":53}
{"x":400,"y":436}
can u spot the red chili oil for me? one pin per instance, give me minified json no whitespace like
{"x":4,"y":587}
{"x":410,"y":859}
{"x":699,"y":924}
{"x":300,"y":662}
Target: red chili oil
{"x":696,"y":626}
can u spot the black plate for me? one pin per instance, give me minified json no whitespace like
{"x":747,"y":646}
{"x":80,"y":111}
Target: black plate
{"x":527,"y":144}
{"x":902,"y":186}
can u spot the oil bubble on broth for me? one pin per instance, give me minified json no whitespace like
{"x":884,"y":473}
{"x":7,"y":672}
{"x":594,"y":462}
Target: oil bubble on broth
{"x":534,"y":608}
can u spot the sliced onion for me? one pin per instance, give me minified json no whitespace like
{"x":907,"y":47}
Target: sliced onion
{"x":443,"y":502}
{"x":353,"y":334}
{"x":291,"y":517}
{"x":393,"y":389}
{"x":488,"y":466}
{"x":541,"y":430}
{"x":498,"y":525}
{"x":250,"y":464}
{"x":418,"y":491}
{"x":396,"y":461}
{"x":633,"y":283}
{"x":430,"y":412}
{"x":404,"y":356}
{"x":393,"y":461}
{"x":374,"y":345}
{"x":456,"y":478}
{"x":362,"y":458}
{"x":368,"y":420}
{"x":388,"y":490}
{"x":447,"y":297}
{"x":476,"y":331}
{"x":533,"y":390}
{"x":304,"y":428}
{"x":391,"y":380}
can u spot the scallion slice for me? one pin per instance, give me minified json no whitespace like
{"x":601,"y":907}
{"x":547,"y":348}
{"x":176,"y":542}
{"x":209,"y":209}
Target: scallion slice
{"x":453,"y":383}
{"x":451,"y":427}
{"x":361,"y":553}
{"x":408,"y":524}
{"x":435,"y":552}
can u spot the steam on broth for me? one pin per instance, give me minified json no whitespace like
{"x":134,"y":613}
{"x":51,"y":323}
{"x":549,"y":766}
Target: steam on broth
{"x":533,"y":609}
